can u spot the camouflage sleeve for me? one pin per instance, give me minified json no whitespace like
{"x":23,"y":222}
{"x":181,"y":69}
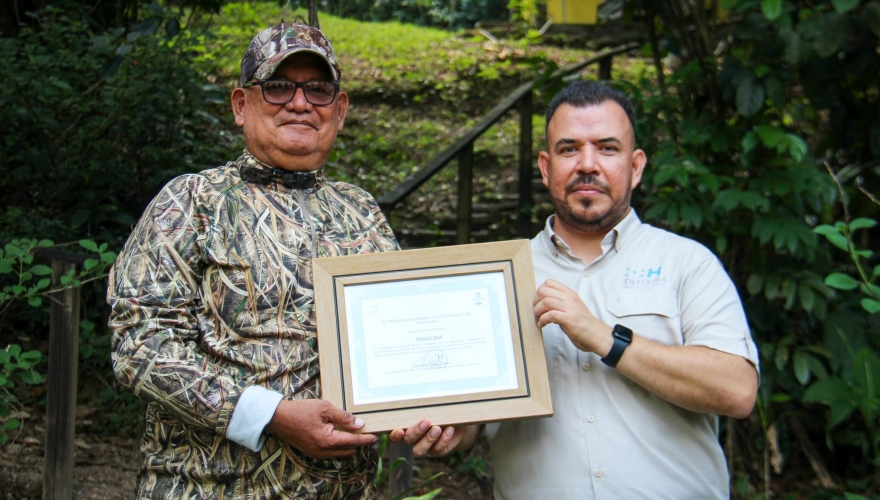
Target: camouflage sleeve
{"x":156,"y":308}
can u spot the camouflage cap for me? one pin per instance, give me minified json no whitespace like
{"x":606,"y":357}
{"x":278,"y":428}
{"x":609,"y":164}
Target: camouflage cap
{"x":274,"y":44}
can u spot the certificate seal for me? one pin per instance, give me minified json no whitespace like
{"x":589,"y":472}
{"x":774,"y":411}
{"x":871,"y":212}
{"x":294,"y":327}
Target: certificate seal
{"x":432,"y":360}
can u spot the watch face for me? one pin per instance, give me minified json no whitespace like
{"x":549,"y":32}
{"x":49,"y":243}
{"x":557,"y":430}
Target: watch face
{"x":623,"y":333}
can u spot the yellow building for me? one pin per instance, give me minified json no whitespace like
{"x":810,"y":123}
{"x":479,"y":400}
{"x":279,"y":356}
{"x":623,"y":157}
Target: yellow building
{"x":572,"y":11}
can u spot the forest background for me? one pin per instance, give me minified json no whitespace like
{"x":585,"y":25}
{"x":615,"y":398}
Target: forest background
{"x":761,"y":120}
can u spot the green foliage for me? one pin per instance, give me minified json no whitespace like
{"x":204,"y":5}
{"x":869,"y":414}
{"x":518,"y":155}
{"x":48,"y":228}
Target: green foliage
{"x":16,"y":367}
{"x":840,"y":235}
{"x":30,"y":281}
{"x":738,"y":139}
{"x":108,"y":117}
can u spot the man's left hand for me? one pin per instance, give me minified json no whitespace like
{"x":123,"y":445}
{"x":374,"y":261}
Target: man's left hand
{"x":433,"y":440}
{"x":556,"y":303}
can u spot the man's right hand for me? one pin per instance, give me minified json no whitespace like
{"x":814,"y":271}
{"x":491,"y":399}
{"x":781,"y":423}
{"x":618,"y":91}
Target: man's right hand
{"x":318,"y":429}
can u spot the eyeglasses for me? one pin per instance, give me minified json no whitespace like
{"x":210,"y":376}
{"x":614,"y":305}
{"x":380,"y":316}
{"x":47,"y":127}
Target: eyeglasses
{"x":316,"y":92}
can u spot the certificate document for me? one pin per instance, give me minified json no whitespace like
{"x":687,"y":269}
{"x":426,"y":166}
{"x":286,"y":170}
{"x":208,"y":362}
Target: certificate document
{"x":424,"y":338}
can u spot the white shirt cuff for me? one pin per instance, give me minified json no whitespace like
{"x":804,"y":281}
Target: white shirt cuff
{"x":254,"y":410}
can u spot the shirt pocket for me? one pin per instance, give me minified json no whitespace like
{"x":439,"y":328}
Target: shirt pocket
{"x":649,"y":313}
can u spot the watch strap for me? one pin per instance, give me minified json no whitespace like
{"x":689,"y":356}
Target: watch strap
{"x":622,"y":337}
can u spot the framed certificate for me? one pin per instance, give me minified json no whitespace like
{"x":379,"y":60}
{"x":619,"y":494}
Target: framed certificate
{"x":446,"y":334}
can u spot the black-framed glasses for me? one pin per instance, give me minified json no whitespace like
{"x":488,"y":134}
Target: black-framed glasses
{"x":317,"y":92}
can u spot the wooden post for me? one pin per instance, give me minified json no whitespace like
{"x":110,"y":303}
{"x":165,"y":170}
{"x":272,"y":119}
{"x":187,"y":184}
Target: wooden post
{"x":402,"y":477}
{"x":524,"y":216}
{"x":313,"y":14}
{"x":465,"y":192}
{"x":61,"y":387}
{"x":605,"y":68}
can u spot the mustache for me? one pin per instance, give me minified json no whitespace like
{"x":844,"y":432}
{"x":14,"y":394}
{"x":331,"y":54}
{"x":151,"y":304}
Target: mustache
{"x":587,"y":180}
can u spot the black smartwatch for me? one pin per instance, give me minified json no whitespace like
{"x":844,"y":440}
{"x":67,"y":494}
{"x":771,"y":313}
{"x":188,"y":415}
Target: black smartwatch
{"x":622,"y":338}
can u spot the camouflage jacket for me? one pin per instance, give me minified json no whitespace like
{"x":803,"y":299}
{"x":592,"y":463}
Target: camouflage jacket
{"x":212,"y":294}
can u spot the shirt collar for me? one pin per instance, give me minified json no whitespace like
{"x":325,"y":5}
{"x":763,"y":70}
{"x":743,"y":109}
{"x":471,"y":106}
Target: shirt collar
{"x":254,"y":171}
{"x":616,"y":238}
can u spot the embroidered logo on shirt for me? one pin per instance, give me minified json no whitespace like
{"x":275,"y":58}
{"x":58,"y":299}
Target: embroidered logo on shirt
{"x":648,"y":276}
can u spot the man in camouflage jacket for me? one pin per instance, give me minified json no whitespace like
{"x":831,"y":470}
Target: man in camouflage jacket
{"x":212,"y":300}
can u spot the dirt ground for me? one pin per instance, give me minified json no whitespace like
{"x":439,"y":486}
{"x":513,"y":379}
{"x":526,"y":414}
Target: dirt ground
{"x":106,"y":467}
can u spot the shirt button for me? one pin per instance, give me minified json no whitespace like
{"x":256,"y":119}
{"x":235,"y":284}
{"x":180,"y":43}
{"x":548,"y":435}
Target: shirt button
{"x":586,"y":367}
{"x":587,"y":274}
{"x":600,"y":473}
{"x":591,"y":419}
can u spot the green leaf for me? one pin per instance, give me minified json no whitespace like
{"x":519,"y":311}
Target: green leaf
{"x":89,"y":264}
{"x":11,"y":424}
{"x":826,"y":391}
{"x":41,"y":270}
{"x":801,"y":367}
{"x":35,"y":301}
{"x":755,"y":283}
{"x":840,"y":410}
{"x":33,"y":356}
{"x":780,"y":397}
{"x":172,"y":27}
{"x":870,"y":290}
{"x":830,"y":35}
{"x":781,"y":358}
{"x":870,"y":305}
{"x":841,"y":281}
{"x":45,"y":243}
{"x":876,"y":271}
{"x":427,"y":496}
{"x":806,"y":295}
{"x":772,"y":9}
{"x":692,"y":215}
{"x":14,"y":350}
{"x":825,"y":229}
{"x":749,"y":95}
{"x":862,"y":223}
{"x":108,"y":257}
{"x":833,"y":234}
{"x":89,"y":245}
{"x":31,"y":377}
{"x":866,"y":376}
{"x":750,"y":141}
{"x":844,"y":6}
{"x":770,"y":135}
{"x":6,"y":266}
{"x":816,"y":366}
{"x":796,"y":146}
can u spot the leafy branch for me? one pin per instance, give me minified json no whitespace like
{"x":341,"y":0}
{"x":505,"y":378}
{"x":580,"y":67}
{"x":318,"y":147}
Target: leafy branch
{"x":15,"y":366}
{"x":840,"y":235}
{"x":31,"y":282}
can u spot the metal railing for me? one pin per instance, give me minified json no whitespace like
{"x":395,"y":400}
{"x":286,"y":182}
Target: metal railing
{"x":463,"y":149}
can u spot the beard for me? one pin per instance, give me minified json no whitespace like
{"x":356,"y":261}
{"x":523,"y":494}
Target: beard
{"x":576,"y":214}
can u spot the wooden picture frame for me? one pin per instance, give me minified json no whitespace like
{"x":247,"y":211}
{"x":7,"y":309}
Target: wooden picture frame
{"x":446,"y":334}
